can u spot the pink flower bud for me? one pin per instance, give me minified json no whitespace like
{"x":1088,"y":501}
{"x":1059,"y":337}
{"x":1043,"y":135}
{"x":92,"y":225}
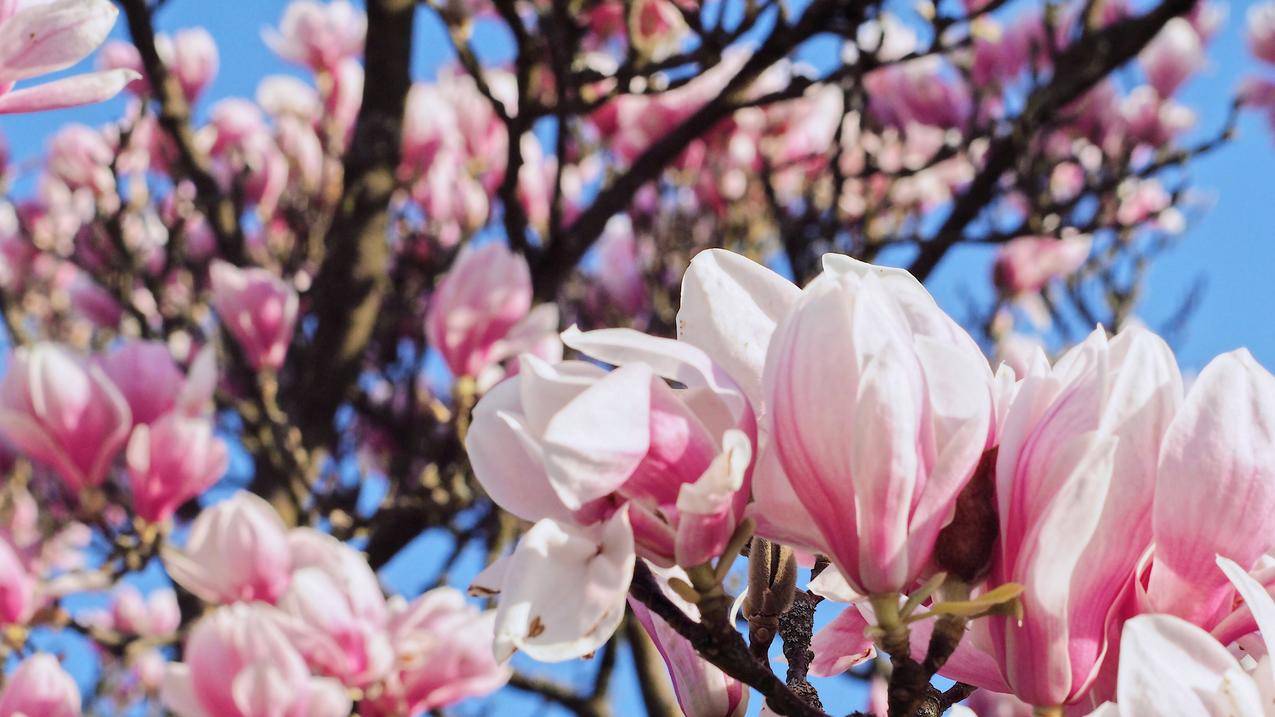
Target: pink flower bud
{"x":155,"y":615}
{"x":62,"y":411}
{"x":1226,"y":431}
{"x":1026,"y":264}
{"x":240,"y":663}
{"x":258,"y":309}
{"x":1175,"y":54}
{"x":618,"y":268}
{"x":319,"y":35}
{"x":191,"y":56}
{"x":171,"y":461}
{"x":92,"y":301}
{"x":485,"y":293}
{"x":656,"y":27}
{"x":81,"y":157}
{"x":236,"y":550}
{"x":39,"y":686}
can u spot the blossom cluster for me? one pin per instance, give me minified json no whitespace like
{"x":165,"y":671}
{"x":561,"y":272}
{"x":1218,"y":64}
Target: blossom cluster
{"x":847,"y":419}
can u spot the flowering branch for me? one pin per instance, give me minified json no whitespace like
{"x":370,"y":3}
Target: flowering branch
{"x":721,"y":645}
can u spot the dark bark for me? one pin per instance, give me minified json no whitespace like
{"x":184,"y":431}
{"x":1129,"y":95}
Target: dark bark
{"x":352,"y":280}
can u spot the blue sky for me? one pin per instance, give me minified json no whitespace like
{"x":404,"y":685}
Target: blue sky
{"x":1230,"y":241}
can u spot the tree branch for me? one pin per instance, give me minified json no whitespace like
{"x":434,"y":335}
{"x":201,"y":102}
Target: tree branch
{"x":724,"y":648}
{"x":560,"y":258}
{"x":174,"y":117}
{"x":354,"y":275}
{"x":1078,"y":68}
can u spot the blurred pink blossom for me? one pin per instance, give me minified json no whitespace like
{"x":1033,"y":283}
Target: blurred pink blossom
{"x":239,"y":663}
{"x":62,"y":411}
{"x":258,"y":309}
{"x":237,"y":550}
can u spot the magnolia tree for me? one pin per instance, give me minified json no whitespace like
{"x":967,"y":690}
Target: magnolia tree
{"x":259,"y":348}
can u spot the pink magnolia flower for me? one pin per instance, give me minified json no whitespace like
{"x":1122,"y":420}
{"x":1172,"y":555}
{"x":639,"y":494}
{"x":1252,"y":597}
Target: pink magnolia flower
{"x":443,"y":655}
{"x":484,"y":295}
{"x":1169,"y":666}
{"x":40,"y":38}
{"x":618,"y":270}
{"x":39,"y":686}
{"x":237,"y":550}
{"x":1002,"y":54}
{"x":81,"y":158}
{"x":702,"y":690}
{"x":881,"y":408}
{"x":534,"y":614}
{"x":1226,"y":431}
{"x":679,"y":458}
{"x":334,"y":611}
{"x":919,"y":92}
{"x":1152,"y":120}
{"x":1175,"y":54}
{"x":1075,"y":476}
{"x":1026,"y":264}
{"x":171,"y":461}
{"x":155,"y":615}
{"x":285,"y":95}
{"x":64,"y":412}
{"x":1261,"y":31}
{"x":190,"y":56}
{"x":259,"y":310}
{"x":239,"y":663}
{"x":454,"y":201}
{"x":147,"y":376}
{"x":319,"y":35}
{"x":451,"y":115}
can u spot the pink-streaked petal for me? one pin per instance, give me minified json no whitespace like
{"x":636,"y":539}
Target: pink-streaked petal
{"x":1225,"y":431}
{"x":592,"y":445}
{"x":841,"y":644}
{"x":1042,"y":671}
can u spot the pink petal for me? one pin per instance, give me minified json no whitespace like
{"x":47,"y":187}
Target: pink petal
{"x":67,"y":92}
